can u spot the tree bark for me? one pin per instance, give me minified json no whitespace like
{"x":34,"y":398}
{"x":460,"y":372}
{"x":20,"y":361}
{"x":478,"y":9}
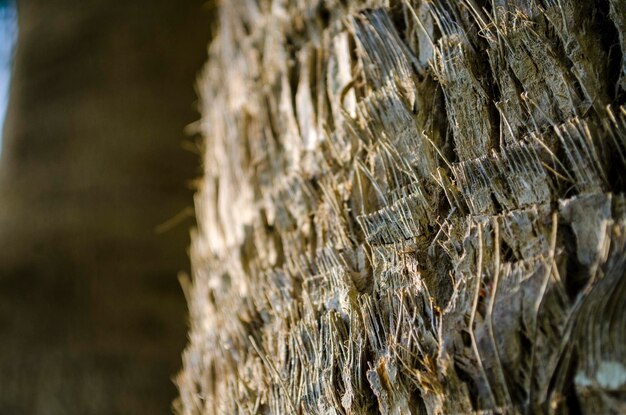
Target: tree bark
{"x":411,"y":207}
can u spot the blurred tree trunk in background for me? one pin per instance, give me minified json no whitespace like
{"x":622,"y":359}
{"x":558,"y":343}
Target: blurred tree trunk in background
{"x":92,"y":319}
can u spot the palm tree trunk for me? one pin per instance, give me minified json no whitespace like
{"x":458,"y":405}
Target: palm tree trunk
{"x":411,"y":207}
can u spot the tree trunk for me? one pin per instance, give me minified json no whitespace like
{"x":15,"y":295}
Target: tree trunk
{"x":92,"y":319}
{"x":411,"y":207}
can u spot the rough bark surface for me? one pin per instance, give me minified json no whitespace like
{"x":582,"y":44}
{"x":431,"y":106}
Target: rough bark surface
{"x":411,"y":207}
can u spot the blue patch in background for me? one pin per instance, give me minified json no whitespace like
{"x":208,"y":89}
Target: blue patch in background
{"x":8,"y":33}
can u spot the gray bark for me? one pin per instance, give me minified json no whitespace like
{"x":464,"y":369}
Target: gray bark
{"x":411,"y":207}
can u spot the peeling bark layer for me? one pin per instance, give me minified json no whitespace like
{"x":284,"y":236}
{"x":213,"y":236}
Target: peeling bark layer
{"x":411,"y":207}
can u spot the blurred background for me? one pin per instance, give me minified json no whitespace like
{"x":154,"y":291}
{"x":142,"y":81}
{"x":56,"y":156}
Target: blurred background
{"x":95,"y":201}
{"x":8,"y":32}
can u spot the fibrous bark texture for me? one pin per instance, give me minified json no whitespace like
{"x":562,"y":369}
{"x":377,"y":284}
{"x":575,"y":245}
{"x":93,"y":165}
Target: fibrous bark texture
{"x":411,"y":207}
